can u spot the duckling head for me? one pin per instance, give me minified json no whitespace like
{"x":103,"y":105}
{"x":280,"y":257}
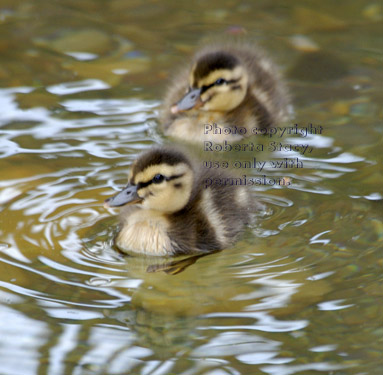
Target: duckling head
{"x":160,"y":180}
{"x":218,"y":82}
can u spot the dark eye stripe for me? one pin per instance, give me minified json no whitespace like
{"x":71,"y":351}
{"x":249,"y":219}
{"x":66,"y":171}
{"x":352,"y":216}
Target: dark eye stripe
{"x":141,"y":185}
{"x":207,"y":87}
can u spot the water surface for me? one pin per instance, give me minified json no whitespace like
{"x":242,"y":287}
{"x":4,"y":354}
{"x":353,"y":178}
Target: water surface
{"x":300,"y":293}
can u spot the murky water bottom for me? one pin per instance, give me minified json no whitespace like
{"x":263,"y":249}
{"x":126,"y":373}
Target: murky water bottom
{"x":300,"y":293}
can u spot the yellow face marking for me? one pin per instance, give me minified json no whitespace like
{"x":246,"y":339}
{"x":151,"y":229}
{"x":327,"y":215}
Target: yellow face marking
{"x":164,"y":169}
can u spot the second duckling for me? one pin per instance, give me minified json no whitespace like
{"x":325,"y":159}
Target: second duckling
{"x":173,"y":210}
{"x":227,"y":84}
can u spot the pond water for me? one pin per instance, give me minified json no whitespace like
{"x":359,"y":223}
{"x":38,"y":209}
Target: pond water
{"x":81,"y":83}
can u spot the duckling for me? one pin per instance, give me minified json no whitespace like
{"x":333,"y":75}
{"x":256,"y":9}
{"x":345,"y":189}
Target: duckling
{"x":230,"y":85}
{"x":173,"y":207}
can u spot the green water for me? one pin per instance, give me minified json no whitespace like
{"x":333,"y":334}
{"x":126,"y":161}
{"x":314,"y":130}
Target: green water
{"x":81,"y":83}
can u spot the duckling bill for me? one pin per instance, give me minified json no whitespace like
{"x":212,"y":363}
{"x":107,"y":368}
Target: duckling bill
{"x":228,"y":85}
{"x":167,"y":209}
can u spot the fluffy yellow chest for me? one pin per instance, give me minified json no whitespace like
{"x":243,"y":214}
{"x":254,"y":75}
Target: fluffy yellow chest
{"x":145,"y":232}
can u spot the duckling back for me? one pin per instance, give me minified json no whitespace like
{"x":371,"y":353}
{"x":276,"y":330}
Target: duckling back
{"x":215,"y":216}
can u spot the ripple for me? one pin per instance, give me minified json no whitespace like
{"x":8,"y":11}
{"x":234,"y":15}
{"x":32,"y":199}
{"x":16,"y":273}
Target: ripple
{"x":82,"y":56}
{"x":110,"y":297}
{"x":333,"y":305}
{"x":236,"y":343}
{"x":294,"y":369}
{"x":316,"y":239}
{"x":108,"y":106}
{"x":278,"y":201}
{"x":266,"y":323}
{"x":68,"y":88}
{"x":371,"y":197}
{"x":262,"y":357}
{"x":324,"y":348}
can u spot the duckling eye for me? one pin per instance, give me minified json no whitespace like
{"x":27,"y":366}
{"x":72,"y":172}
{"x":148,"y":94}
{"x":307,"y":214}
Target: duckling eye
{"x":220,"y":81}
{"x":158,"y":178}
